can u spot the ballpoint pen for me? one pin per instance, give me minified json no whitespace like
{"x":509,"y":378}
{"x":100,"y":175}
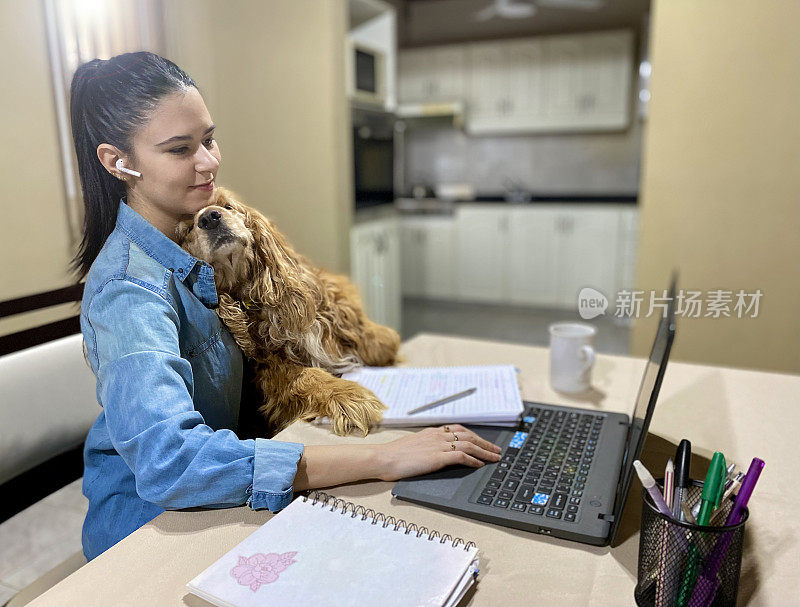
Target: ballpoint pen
{"x":663,"y":585}
{"x":706,"y":587}
{"x":649,"y":483}
{"x":730,"y":490}
{"x":683,"y":458}
{"x":688,"y":517}
{"x":711,"y":496}
{"x":669,"y":479}
{"x":728,"y":483}
{"x":442,"y":401}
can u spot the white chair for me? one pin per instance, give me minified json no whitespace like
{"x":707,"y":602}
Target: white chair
{"x":48,"y":405}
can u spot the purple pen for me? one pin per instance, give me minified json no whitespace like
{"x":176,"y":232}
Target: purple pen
{"x":706,"y":587}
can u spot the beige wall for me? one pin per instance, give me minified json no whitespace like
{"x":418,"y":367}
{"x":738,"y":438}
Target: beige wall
{"x":274,"y":84}
{"x":34,"y":247}
{"x":720,"y":197}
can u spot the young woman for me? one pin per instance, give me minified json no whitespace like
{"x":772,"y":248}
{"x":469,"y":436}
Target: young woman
{"x":169,"y":376}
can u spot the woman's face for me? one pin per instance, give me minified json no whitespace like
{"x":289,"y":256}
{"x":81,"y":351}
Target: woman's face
{"x":175,"y":151}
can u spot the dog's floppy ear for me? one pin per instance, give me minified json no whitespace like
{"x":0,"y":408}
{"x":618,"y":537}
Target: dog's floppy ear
{"x":282,"y":280}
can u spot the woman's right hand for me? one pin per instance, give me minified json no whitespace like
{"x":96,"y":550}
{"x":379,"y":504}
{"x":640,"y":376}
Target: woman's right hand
{"x":432,"y":449}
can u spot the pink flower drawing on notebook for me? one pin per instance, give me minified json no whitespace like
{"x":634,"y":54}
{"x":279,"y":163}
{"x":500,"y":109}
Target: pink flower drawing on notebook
{"x":261,"y":568}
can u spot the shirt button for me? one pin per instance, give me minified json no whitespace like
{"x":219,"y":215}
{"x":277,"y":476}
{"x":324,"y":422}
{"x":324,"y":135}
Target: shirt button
{"x":180,"y":270}
{"x":172,"y":269}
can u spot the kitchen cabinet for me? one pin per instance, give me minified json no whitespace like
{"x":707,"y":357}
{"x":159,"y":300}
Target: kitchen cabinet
{"x":544,"y":84}
{"x":505,"y":86}
{"x":588,"y":79}
{"x":626,"y":249}
{"x":542,"y":255}
{"x":532,"y":251}
{"x":375,"y":268}
{"x":432,"y":74}
{"x":428,"y":257}
{"x":482,"y":256}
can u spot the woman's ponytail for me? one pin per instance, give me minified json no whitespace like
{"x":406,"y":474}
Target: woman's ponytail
{"x":110,"y":100}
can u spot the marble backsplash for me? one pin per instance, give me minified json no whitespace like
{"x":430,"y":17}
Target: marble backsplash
{"x":580,"y":163}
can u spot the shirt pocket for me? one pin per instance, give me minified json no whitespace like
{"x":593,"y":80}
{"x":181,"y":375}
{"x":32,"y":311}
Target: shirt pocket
{"x":207,"y":344}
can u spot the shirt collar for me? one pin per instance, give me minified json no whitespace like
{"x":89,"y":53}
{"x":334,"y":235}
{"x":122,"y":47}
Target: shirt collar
{"x":166,"y":252}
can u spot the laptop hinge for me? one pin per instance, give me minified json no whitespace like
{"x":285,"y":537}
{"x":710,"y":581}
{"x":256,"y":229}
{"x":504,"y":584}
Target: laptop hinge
{"x":606,"y":517}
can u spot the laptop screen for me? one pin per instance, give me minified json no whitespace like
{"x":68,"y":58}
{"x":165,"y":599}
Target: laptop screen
{"x":645,"y":403}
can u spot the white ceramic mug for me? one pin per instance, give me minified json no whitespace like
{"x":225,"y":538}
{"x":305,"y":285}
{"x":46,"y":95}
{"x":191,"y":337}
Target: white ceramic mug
{"x":571,"y":356}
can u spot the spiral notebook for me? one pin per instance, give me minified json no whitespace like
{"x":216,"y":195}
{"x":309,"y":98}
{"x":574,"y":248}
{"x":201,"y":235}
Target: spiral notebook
{"x":496,"y":401}
{"x":320,"y":550}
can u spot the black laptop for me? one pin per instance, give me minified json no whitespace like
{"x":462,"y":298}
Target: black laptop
{"x":565,"y":472}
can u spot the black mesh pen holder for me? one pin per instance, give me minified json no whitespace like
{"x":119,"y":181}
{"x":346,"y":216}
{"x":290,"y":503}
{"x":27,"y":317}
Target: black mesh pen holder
{"x":685,"y":565}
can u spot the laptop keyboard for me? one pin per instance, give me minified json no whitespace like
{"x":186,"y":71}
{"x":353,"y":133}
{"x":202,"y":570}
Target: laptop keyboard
{"x":544,"y":468}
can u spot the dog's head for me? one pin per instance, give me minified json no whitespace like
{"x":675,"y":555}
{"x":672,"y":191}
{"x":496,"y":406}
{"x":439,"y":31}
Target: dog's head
{"x":223,"y":235}
{"x":252,"y":260}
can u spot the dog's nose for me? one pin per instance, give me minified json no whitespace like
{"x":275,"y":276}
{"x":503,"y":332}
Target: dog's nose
{"x":209,"y":220}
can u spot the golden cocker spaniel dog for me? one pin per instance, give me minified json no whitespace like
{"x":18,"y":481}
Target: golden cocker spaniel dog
{"x":299,"y":325}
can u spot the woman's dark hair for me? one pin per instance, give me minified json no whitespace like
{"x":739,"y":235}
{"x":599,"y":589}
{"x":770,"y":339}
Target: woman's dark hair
{"x":110,"y":100}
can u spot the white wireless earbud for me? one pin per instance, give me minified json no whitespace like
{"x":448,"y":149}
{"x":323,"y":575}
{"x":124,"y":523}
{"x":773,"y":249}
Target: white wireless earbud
{"x":120,"y":167}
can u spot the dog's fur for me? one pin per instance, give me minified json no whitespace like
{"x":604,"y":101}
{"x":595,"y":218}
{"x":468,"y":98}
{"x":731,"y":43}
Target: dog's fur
{"x":299,"y":325}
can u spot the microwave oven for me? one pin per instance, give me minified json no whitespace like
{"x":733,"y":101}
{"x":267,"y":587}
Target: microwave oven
{"x":366,"y":73}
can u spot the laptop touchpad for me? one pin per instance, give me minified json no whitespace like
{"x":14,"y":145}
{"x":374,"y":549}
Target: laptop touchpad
{"x":445,"y":483}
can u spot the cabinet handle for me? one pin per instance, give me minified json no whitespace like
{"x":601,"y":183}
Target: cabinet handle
{"x":380,"y":244}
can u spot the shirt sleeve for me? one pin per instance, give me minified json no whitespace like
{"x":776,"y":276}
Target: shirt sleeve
{"x":146,"y":389}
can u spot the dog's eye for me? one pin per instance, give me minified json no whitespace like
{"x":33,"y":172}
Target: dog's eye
{"x":229,"y":207}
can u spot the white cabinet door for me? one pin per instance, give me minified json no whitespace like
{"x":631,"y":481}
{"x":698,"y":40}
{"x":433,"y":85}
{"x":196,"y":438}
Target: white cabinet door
{"x":429,"y":257}
{"x":448,"y":73}
{"x":432,"y":74}
{"x":562,"y":77}
{"x":588,"y":80}
{"x":439,"y":267}
{"x":482,"y":258}
{"x":411,"y":80}
{"x":524,"y":82}
{"x":628,"y":243}
{"x":487,"y":101}
{"x":532,"y":252}
{"x":587,"y":252}
{"x":412,"y":254}
{"x":607,"y":78}
{"x":375,"y":269}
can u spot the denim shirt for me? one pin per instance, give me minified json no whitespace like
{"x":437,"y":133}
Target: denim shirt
{"x":169,"y":380}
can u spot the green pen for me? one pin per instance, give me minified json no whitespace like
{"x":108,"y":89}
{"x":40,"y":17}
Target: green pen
{"x":713,"y":487}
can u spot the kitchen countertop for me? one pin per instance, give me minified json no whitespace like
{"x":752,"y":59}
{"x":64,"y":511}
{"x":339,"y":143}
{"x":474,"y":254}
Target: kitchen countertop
{"x":438,"y":206}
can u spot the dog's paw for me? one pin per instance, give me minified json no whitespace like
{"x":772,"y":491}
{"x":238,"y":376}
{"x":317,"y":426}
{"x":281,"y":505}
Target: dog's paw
{"x":379,"y":346}
{"x":354,"y":407}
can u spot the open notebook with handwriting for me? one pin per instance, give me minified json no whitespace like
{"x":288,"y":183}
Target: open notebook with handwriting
{"x":496,"y":401}
{"x":320,"y":550}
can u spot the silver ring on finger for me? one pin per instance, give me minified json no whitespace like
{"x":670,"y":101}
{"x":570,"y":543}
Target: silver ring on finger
{"x":447,"y":428}
{"x":455,"y":436}
{"x":452,"y":446}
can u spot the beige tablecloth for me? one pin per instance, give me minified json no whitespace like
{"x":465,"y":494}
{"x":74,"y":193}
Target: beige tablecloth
{"x":741,"y":413}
